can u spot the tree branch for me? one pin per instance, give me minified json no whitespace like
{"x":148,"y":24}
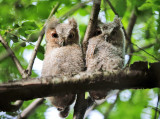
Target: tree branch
{"x":14,"y":58}
{"x":144,"y":47}
{"x":81,"y":106}
{"x":27,"y":111}
{"x":131,"y":24}
{"x":111,"y":107}
{"x":92,"y":23}
{"x":54,"y":10}
{"x":79,"y":110}
{"x":137,"y":77}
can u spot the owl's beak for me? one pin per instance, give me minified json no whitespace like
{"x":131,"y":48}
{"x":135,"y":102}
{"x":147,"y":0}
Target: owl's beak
{"x":105,"y":37}
{"x":62,"y":43}
{"x":110,"y":31}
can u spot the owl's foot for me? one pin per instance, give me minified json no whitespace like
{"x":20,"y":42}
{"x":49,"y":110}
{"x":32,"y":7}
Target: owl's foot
{"x":64,"y":113}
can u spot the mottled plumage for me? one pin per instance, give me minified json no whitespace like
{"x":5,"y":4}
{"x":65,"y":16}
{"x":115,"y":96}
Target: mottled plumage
{"x":63,"y":57}
{"x":106,"y":52}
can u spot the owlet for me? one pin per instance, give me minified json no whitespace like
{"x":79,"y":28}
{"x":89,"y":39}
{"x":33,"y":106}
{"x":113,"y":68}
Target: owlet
{"x":63,"y":57}
{"x":106,"y":52}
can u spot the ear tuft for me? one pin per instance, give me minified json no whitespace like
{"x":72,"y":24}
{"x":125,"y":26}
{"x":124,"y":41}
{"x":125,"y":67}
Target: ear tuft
{"x":52,"y":23}
{"x":117,"y":21}
{"x":73,"y":22}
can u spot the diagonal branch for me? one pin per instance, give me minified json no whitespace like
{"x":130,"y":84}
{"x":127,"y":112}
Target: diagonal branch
{"x":131,"y":24}
{"x":111,"y":107}
{"x":73,"y":9}
{"x":144,"y":47}
{"x":34,"y":53}
{"x":14,"y":58}
{"x":37,"y":102}
{"x":54,"y":10}
{"x":27,"y":111}
{"x":92,"y":23}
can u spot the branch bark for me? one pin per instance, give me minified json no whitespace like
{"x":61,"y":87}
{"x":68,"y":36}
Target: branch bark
{"x":111,"y":107}
{"x":81,"y":106}
{"x":92,"y":23}
{"x":14,"y":58}
{"x":131,"y":24}
{"x":137,"y":77}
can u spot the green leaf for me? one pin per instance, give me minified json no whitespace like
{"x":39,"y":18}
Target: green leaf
{"x":145,"y":6}
{"x":120,"y":6}
{"x":14,"y":38}
{"x":40,"y":53}
{"x":29,"y":25}
{"x":33,"y":37}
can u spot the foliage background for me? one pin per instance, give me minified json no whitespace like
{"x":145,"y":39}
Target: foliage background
{"x":22,"y":20}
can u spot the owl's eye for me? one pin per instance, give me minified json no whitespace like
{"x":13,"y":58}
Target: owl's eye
{"x":98,"y":32}
{"x":54,"y":35}
{"x":71,"y":35}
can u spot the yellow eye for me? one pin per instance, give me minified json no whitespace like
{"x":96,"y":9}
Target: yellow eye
{"x":54,"y":35}
{"x":71,"y":35}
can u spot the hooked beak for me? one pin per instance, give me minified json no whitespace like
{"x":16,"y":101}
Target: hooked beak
{"x":62,"y":42}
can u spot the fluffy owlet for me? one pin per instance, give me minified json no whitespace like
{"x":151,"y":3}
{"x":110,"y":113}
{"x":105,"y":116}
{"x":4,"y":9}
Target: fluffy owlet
{"x":63,"y":57}
{"x":106,"y":52}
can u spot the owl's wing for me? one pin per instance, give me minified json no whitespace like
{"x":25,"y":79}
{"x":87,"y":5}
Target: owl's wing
{"x":90,"y":52}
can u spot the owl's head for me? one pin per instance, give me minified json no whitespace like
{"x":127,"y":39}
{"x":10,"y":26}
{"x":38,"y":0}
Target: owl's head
{"x":62,"y":34}
{"x":113,"y":32}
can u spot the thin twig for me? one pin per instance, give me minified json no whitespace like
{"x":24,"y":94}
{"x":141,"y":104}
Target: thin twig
{"x":27,"y":111}
{"x":54,"y":10}
{"x":14,"y":58}
{"x":111,"y":106}
{"x":147,"y":52}
{"x":73,"y":9}
{"x":155,"y":116}
{"x":144,"y":47}
{"x":131,"y":24}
